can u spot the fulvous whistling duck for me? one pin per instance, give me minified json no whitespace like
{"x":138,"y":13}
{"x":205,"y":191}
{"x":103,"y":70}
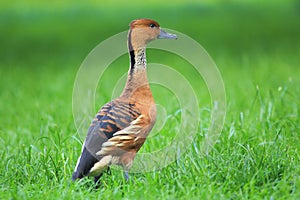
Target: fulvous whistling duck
{"x":121,"y":126}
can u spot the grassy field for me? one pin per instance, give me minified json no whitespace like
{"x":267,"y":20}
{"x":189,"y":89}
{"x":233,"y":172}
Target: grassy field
{"x":256,"y":47}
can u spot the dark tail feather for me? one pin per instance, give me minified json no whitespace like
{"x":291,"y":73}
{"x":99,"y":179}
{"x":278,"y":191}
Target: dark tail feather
{"x":85,"y":162}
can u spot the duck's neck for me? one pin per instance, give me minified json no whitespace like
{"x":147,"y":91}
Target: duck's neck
{"x":137,"y":53}
{"x":137,"y":60}
{"x":137,"y":74}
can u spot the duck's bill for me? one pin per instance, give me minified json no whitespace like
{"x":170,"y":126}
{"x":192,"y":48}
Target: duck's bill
{"x":166,"y":35}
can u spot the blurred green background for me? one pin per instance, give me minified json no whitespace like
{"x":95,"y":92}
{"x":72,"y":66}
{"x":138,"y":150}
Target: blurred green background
{"x":41,"y":32}
{"x":255,"y":44}
{"x":43,"y":44}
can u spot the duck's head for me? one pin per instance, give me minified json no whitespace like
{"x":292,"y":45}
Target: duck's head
{"x":143,"y":31}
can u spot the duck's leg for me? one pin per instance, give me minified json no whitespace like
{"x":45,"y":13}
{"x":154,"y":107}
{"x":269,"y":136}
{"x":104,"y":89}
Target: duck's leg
{"x":96,"y":179}
{"x":126,"y":175}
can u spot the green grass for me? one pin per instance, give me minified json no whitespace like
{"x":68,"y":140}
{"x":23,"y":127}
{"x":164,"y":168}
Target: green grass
{"x":256,"y":47}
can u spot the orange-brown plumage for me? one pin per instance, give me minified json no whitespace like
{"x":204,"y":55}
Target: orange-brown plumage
{"x":121,"y":126}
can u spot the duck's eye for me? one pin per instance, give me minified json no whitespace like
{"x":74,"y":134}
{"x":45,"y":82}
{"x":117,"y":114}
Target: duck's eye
{"x":152,"y":25}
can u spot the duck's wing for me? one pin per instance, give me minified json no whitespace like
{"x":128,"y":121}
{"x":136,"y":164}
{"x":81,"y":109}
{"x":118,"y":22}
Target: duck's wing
{"x":113,"y":117}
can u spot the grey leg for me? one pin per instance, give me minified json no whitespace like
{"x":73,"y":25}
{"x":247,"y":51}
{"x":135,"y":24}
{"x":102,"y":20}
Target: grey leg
{"x":126,"y":175}
{"x":96,"y":179}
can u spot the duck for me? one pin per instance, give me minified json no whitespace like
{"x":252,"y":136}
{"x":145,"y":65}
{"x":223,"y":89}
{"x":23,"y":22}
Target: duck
{"x":122,"y":125}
